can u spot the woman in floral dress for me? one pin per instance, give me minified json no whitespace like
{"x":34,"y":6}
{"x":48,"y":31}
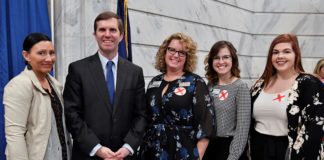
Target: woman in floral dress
{"x":288,"y":107}
{"x":181,"y":113}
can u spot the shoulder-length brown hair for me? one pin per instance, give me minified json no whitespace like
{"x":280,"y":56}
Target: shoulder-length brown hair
{"x":190,"y":47}
{"x":211,"y":74}
{"x":269,"y":70}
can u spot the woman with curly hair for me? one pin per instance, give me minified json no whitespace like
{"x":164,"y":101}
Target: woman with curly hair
{"x":181,"y":113}
{"x":288,"y":107}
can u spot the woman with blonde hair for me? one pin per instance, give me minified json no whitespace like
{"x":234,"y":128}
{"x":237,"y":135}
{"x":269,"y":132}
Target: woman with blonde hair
{"x":181,"y":113}
{"x":319,"y":70}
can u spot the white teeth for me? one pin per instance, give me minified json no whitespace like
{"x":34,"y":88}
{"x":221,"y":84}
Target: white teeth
{"x":107,"y":41}
{"x":281,"y":62}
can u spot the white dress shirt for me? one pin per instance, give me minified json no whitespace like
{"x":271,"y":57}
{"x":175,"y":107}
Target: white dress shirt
{"x":104,"y":62}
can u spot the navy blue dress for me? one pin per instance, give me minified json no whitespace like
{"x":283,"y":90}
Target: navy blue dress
{"x":178,"y":119}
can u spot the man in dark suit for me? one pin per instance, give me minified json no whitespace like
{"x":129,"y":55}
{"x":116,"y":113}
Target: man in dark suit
{"x":105,"y":104}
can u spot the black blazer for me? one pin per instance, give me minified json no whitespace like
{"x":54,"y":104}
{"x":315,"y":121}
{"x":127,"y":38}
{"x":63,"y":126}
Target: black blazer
{"x":89,"y":115}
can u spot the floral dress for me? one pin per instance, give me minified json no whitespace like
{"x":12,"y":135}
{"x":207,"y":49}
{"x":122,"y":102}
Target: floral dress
{"x":305,"y":112}
{"x":178,"y":118}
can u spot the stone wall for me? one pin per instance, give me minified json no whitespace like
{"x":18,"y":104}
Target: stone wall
{"x":249,"y":25}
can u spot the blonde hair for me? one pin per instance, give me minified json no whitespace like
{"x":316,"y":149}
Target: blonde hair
{"x":319,"y":65}
{"x":190,"y":47}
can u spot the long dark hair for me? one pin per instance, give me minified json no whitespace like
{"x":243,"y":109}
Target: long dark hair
{"x":269,"y":70}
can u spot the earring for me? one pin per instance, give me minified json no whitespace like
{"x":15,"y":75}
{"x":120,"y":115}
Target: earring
{"x":29,"y":67}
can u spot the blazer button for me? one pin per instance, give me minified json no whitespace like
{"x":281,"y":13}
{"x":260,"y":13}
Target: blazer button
{"x":115,"y":120}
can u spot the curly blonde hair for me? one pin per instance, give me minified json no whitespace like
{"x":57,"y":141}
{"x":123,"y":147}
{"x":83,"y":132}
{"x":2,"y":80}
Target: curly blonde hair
{"x":190,"y":47}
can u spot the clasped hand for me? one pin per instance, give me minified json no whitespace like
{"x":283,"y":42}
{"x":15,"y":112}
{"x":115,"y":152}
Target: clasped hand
{"x":107,"y":154}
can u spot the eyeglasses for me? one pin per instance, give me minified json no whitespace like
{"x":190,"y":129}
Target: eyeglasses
{"x":173,"y":51}
{"x":224,"y":58}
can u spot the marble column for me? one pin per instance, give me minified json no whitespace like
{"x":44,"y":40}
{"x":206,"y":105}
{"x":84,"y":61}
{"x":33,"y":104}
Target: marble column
{"x":73,"y":30}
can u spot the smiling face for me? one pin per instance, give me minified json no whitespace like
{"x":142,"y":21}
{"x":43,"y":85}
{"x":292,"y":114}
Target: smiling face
{"x":41,"y":57}
{"x":175,"y":60}
{"x":108,"y":36}
{"x":222,"y":62}
{"x":283,"y":58}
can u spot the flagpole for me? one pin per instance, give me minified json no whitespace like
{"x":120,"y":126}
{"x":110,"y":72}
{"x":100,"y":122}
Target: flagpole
{"x":126,"y":25}
{"x":52,"y":30}
{"x":52,"y":20}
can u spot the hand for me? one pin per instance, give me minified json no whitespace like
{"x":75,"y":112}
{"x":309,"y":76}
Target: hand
{"x":122,"y":153}
{"x":105,"y":152}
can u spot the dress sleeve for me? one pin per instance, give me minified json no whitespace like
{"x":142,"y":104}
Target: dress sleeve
{"x":310,"y":135}
{"x":17,"y":102}
{"x":243,"y":119}
{"x":203,"y":111}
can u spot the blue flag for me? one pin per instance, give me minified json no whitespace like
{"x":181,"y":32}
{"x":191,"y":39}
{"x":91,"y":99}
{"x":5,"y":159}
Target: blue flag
{"x":18,"y":18}
{"x":125,"y":46}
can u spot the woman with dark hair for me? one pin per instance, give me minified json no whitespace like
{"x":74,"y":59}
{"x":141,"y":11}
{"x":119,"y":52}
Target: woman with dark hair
{"x":34,"y":119}
{"x":181,"y":113}
{"x":288,"y":107}
{"x":232,"y":103}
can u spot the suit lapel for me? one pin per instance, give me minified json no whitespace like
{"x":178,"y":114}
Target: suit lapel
{"x":121,"y":77}
{"x":98,"y":77}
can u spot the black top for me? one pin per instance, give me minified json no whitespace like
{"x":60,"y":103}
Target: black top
{"x":58,"y":112}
